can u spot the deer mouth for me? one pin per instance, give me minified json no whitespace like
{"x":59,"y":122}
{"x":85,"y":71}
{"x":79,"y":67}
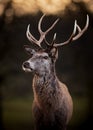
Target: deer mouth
{"x":26,"y":67}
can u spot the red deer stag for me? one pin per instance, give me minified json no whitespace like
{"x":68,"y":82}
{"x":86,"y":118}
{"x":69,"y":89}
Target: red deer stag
{"x":52,"y":105}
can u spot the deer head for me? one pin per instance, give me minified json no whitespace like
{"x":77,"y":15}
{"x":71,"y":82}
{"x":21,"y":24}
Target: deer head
{"x":42,"y":60}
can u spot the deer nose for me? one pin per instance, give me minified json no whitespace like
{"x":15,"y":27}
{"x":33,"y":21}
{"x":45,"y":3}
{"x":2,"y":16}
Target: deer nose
{"x":26,"y":65}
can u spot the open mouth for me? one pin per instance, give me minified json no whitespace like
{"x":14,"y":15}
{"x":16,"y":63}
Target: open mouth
{"x":26,"y":69}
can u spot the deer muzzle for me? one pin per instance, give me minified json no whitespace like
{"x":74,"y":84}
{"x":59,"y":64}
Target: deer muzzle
{"x":26,"y":67}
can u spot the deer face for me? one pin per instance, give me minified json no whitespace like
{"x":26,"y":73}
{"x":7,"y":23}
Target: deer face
{"x":40,"y":62}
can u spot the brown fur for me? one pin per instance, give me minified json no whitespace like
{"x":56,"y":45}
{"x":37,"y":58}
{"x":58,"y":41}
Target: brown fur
{"x":52,"y":106}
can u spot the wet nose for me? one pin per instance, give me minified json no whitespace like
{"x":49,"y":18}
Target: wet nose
{"x":26,"y":64}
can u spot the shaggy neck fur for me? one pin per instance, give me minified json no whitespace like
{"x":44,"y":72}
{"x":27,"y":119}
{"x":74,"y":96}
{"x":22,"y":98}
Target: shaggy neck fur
{"x":45,"y":88}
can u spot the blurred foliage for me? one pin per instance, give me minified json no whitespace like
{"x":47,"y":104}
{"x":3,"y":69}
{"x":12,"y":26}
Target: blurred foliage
{"x":21,"y":7}
{"x":74,"y":66}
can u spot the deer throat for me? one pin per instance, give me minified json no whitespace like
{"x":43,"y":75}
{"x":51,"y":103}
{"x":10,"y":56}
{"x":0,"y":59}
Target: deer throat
{"x":45,"y":90}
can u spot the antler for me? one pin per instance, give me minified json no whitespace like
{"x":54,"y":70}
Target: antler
{"x":74,"y":37}
{"x":32,"y":39}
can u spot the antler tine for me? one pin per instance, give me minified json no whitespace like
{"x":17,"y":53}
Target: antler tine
{"x":30,"y":36}
{"x":39,"y":24}
{"x":70,"y":39}
{"x":83,"y":30}
{"x":53,"y":41}
{"x":52,"y":26}
{"x":54,"y":38}
{"x":43,"y":34}
{"x":73,"y":37}
{"x":79,"y":29}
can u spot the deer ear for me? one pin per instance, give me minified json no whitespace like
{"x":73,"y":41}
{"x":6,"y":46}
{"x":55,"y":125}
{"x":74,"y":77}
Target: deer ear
{"x":54,"y":53}
{"x":29,"y":50}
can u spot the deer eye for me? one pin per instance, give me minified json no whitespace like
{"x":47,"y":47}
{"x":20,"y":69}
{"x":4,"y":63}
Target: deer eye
{"x":45,"y":57}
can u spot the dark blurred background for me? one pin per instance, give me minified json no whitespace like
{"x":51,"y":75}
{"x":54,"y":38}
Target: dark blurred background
{"x":74,"y":66}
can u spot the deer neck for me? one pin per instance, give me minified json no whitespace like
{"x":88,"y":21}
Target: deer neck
{"x":46,"y":81}
{"x":43,"y":87}
{"x":46,"y":77}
